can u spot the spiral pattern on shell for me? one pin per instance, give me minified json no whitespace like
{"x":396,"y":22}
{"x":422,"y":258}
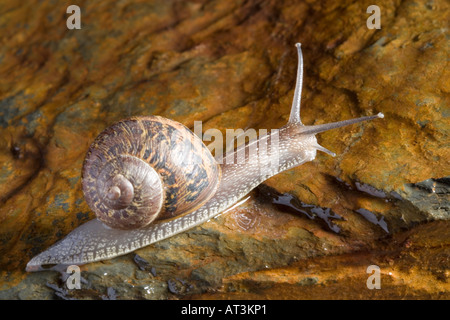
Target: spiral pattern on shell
{"x":145,"y":169}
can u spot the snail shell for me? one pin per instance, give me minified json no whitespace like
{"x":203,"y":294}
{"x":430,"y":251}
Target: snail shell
{"x":144,"y":169}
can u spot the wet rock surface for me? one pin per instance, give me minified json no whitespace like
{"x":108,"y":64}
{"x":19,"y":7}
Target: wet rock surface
{"x":310,"y":232}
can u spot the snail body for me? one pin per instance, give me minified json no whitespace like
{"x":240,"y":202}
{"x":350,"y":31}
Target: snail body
{"x":143,"y":191}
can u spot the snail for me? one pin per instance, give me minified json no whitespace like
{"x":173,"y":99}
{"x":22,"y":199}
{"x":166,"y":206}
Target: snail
{"x":150,"y":178}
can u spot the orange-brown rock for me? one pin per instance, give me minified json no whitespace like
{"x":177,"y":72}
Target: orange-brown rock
{"x":306,"y":233}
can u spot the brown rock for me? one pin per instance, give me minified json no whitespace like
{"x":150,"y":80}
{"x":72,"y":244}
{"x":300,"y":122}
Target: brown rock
{"x":232,"y":64}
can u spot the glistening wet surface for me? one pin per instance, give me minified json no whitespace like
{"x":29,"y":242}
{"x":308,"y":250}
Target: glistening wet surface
{"x":383,"y":200}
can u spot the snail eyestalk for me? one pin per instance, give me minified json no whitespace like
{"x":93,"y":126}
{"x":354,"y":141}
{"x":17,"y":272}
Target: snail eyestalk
{"x":333,"y":125}
{"x":296,"y":102}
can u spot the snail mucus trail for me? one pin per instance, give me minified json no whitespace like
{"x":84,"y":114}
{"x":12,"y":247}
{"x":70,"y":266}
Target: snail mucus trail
{"x":218,"y":187}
